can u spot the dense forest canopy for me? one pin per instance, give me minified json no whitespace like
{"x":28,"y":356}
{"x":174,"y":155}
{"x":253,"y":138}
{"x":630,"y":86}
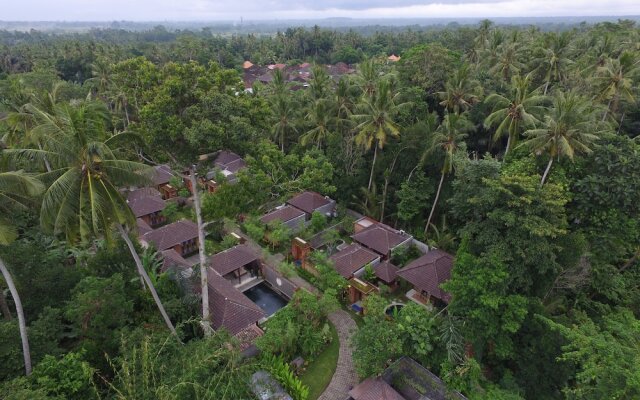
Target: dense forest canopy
{"x":512,"y":147}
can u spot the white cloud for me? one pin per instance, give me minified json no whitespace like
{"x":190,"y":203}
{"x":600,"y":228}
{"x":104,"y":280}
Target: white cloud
{"x":142,"y":10}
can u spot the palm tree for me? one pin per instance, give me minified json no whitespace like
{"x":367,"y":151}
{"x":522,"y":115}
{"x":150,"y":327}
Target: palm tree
{"x":507,"y":63}
{"x":512,"y":114}
{"x":375,"y":121}
{"x":569,"y":128}
{"x":82,"y":200}
{"x":319,"y":84}
{"x":320,"y":116}
{"x":16,"y":190}
{"x":283,"y":114}
{"x":447,"y":139}
{"x":461,"y":91}
{"x":615,"y":80}
{"x":553,"y":61}
{"x":367,"y":77}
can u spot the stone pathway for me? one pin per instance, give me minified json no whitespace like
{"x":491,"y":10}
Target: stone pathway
{"x":345,"y":376}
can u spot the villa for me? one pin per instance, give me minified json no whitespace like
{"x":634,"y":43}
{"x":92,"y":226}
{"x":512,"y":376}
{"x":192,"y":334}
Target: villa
{"x":147,"y":205}
{"x":238,"y":265}
{"x":427,"y":274}
{"x":379,"y":237}
{"x":181,"y":236}
{"x":161,"y":177}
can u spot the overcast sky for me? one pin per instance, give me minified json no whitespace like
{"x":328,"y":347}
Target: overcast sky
{"x":184,"y":10}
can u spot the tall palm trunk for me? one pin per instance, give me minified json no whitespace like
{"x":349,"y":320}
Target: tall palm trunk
{"x":147,"y":280}
{"x":546,"y":172}
{"x":4,"y":307}
{"x":21,"y":321}
{"x":508,"y":145}
{"x":435,"y":202}
{"x":206,"y":319}
{"x":373,"y":165}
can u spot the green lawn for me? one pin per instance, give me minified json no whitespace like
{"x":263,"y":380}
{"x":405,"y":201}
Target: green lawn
{"x":320,"y":371}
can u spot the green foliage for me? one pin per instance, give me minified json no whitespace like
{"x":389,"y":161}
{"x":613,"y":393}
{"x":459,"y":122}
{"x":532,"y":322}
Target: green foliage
{"x":328,"y":277}
{"x":170,"y":210}
{"x":69,"y":377}
{"x":413,"y":195}
{"x":155,"y":367}
{"x":428,"y":66}
{"x":278,"y":234}
{"x":99,"y":307}
{"x":254,"y":229}
{"x":318,"y":222}
{"x":606,"y":353}
{"x":281,"y":370}
{"x":301,"y":327}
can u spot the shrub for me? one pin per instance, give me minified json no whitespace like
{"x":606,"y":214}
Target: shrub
{"x":282,"y":372}
{"x":318,"y":222}
{"x":170,"y":210}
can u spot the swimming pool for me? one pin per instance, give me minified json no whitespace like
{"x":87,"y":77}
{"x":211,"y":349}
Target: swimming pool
{"x":266,"y":298}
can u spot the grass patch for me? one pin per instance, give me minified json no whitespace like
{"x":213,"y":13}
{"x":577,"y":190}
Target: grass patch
{"x":320,"y":371}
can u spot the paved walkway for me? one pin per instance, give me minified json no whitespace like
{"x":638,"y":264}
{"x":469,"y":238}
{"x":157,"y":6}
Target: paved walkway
{"x":345,"y":376}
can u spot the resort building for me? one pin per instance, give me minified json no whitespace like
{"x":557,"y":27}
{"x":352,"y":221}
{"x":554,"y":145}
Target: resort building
{"x":427,"y":274}
{"x":181,"y":236}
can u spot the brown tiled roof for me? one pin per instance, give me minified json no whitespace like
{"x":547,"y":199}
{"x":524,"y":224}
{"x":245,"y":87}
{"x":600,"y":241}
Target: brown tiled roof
{"x":162,"y":175}
{"x":143,"y":227}
{"x":386,"y":271}
{"x":230,"y":309}
{"x":145,"y":205}
{"x":173,"y":234}
{"x":374,"y":389}
{"x":143,"y":192}
{"x":429,"y":272}
{"x":308,"y":201}
{"x":380,"y":238}
{"x":226,"y":157}
{"x":284,"y":214}
{"x":171,"y":258}
{"x":350,"y":259}
{"x":247,"y":64}
{"x":232,"y":259}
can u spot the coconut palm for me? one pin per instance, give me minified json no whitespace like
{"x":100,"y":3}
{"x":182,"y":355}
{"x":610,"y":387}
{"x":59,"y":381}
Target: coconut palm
{"x":16,"y":190}
{"x":461,"y":91}
{"x":82,"y":200}
{"x":569,"y":128}
{"x":507,"y":63}
{"x":615,"y":81}
{"x":320,"y":83}
{"x":367,"y":77}
{"x":321,"y":118}
{"x":447,"y":139}
{"x":520,"y":110}
{"x":283,"y":113}
{"x":375,"y":119}
{"x":553,"y":61}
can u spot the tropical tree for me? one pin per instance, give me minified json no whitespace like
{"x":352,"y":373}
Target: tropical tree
{"x":615,"y":80}
{"x":570,"y":127}
{"x":321,"y":117}
{"x":375,"y":119}
{"x":447,"y":139}
{"x":82,"y":200}
{"x":16,"y":190}
{"x":283,"y":115}
{"x":522,"y":109}
{"x":553,"y":60}
{"x":461,"y":91}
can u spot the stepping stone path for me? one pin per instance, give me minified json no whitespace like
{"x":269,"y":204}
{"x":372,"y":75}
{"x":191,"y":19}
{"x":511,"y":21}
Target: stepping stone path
{"x":345,"y":377}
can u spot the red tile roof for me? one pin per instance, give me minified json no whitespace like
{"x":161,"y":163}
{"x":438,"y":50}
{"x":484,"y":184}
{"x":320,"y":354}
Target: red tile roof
{"x":284,"y":214}
{"x":380,"y":238}
{"x":247,"y":64}
{"x":309,"y":201}
{"x":386,"y":271}
{"x":232,"y":259}
{"x":145,"y":205}
{"x":230,"y":309}
{"x":428,"y":272}
{"x":350,"y":259}
{"x":173,"y":234}
{"x":374,"y":389}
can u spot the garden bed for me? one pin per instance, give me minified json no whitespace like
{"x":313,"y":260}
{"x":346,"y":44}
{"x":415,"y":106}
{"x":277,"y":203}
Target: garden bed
{"x":320,"y":371}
